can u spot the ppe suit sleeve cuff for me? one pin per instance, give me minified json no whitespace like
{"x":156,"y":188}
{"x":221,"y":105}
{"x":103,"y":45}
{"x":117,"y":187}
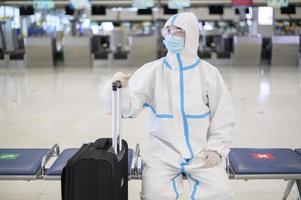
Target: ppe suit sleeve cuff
{"x":223,"y":152}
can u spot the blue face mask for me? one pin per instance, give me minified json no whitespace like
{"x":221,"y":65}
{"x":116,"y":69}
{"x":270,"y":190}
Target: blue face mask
{"x":174,"y":44}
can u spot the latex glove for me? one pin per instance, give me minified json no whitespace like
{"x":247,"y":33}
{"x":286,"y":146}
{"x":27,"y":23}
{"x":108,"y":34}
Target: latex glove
{"x":212,"y":159}
{"x":122,"y":77}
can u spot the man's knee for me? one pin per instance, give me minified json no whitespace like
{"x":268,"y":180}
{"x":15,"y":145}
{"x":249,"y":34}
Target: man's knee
{"x":157,"y":192}
{"x":220,"y":191}
{"x":160,"y":191}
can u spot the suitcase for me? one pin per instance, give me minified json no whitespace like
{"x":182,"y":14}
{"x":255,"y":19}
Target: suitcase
{"x":99,"y":170}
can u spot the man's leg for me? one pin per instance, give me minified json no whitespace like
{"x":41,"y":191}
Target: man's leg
{"x":161,"y":182}
{"x":209,"y":184}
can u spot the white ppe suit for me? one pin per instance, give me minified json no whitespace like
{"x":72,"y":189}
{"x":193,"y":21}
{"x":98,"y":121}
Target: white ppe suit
{"x":190,"y":112}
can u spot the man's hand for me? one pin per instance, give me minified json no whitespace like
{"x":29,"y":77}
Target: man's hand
{"x":212,"y":159}
{"x":123,"y":78}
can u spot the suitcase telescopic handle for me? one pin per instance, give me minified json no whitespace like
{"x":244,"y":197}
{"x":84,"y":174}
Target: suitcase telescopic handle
{"x":116,"y":117}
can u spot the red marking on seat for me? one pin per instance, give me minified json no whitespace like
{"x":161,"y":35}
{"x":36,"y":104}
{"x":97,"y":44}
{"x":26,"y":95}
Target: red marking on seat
{"x":267,"y":156}
{"x":242,"y":2}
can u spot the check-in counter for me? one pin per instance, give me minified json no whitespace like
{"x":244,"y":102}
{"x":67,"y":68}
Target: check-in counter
{"x":2,"y":57}
{"x":143,"y":49}
{"x":39,"y":51}
{"x":119,"y":45}
{"x":77,"y":51}
{"x":247,"y":50}
{"x":285,"y":50}
{"x":16,"y":58}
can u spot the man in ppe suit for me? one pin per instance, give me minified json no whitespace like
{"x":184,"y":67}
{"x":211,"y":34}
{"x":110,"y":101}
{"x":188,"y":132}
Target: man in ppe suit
{"x":191,"y":115}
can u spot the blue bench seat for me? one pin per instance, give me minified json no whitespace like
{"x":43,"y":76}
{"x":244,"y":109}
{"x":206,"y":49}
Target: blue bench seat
{"x":21,"y":162}
{"x":264,"y":161}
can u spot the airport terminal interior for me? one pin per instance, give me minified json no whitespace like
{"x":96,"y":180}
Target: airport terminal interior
{"x":56,"y":57}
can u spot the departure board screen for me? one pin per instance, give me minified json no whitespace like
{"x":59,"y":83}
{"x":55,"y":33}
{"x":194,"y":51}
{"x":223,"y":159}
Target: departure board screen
{"x":80,"y":4}
{"x":43,"y":4}
{"x":278,"y":3}
{"x":178,"y":4}
{"x":143,"y":4}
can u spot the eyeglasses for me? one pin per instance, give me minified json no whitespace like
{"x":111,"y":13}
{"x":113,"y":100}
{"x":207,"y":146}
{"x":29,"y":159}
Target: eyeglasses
{"x":175,"y":31}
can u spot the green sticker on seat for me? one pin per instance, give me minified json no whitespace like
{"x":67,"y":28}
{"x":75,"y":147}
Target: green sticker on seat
{"x":9,"y":156}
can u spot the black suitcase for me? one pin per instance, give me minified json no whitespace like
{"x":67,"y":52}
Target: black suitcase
{"x":99,"y":170}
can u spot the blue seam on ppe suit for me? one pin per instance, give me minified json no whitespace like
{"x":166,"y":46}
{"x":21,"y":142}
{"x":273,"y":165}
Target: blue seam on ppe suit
{"x":193,"y":65}
{"x":198,"y":116}
{"x":185,"y":121}
{"x":175,"y":187}
{"x":174,"y":19}
{"x":166,"y":63}
{"x":182,"y":169}
{"x":155,"y":112}
{"x":195,"y":187}
{"x":196,"y":182}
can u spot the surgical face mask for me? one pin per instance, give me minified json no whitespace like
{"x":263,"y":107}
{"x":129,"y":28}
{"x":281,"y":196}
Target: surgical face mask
{"x":174,"y":44}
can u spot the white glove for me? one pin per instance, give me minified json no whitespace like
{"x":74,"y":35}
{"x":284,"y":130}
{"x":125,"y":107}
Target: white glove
{"x":212,"y":159}
{"x":122,"y":77}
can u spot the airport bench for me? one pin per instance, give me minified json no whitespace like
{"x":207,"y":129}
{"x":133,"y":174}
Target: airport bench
{"x":243,"y":164}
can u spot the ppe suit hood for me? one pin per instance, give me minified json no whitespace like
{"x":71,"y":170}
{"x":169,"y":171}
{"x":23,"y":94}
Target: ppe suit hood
{"x":189,"y":23}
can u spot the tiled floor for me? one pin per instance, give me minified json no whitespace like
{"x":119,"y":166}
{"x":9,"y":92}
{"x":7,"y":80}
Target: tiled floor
{"x":43,"y":106}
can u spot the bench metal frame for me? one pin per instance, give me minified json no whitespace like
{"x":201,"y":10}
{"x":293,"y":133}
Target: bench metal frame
{"x":291,"y":178}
